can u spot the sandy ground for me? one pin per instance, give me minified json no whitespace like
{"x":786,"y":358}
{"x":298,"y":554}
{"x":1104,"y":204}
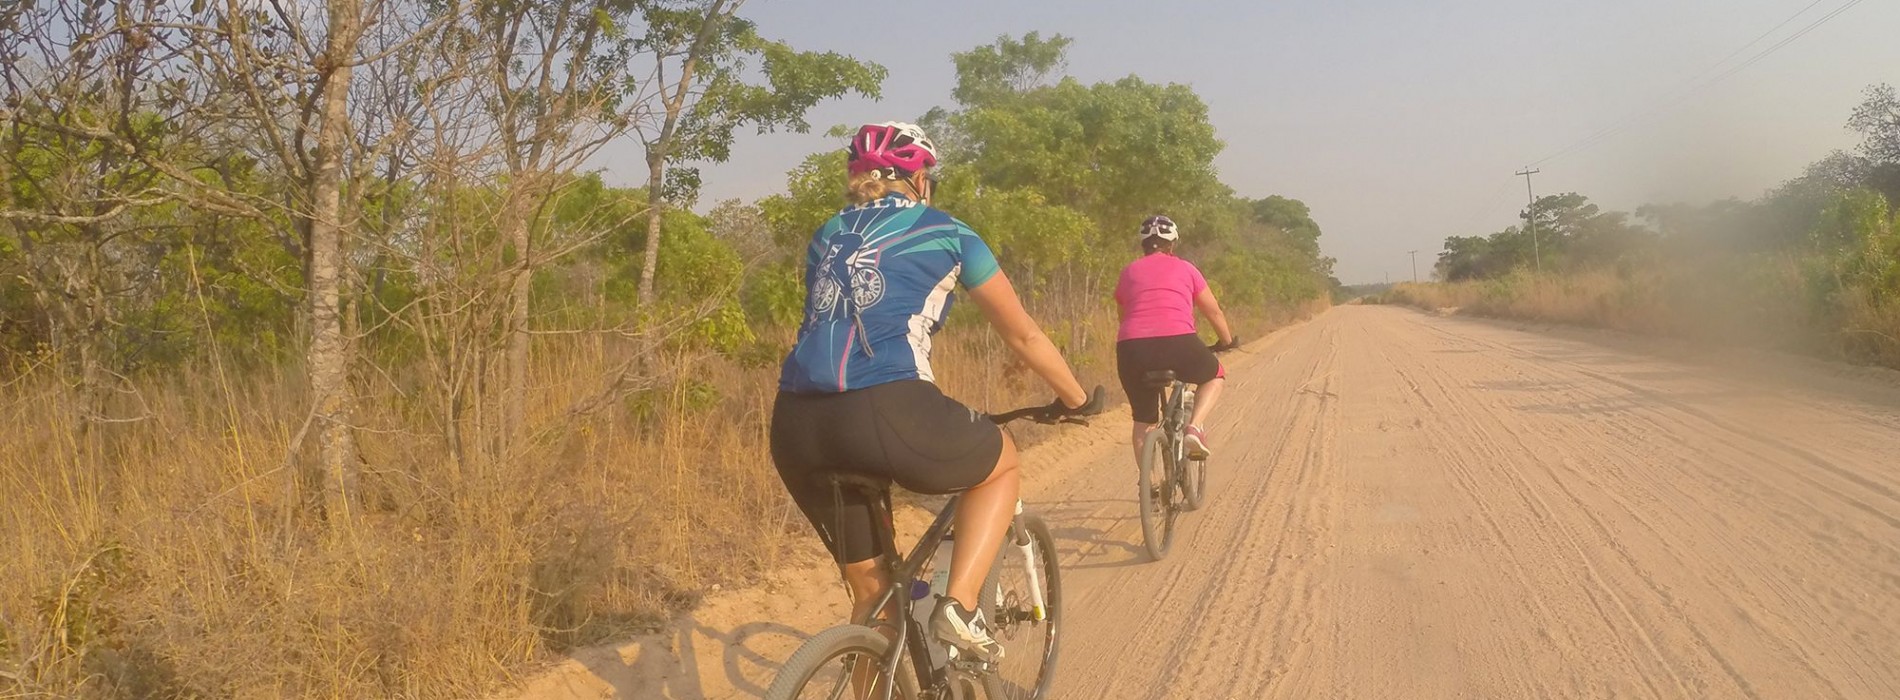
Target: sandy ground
{"x":1408,"y":505}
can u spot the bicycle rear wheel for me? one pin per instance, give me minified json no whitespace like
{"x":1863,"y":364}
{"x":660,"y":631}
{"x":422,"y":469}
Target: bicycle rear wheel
{"x":1156,"y":494}
{"x":1193,"y":484}
{"x":1028,"y":635}
{"x":833,"y":663}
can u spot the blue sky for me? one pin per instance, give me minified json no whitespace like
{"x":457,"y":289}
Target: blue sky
{"x":1400,"y":123}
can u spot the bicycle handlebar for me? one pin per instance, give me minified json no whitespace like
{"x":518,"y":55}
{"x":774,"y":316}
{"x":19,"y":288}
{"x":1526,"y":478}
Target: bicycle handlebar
{"x":1055,"y":412}
{"x":1218,"y":347}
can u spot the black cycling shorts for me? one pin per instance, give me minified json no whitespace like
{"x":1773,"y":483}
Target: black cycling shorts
{"x":907,"y":431}
{"x":1190,"y":359}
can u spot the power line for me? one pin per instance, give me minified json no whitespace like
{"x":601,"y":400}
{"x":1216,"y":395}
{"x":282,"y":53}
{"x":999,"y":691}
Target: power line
{"x":1784,"y":42}
{"x":1693,"y":89}
{"x":1477,"y":215}
{"x":1686,"y":89}
{"x":1751,"y":43}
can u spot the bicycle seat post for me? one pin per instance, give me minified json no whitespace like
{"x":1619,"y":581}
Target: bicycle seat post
{"x":1159,"y":379}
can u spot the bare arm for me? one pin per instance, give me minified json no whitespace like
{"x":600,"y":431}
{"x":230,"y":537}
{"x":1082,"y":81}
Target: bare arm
{"x":997,"y":298}
{"x":1211,"y":309}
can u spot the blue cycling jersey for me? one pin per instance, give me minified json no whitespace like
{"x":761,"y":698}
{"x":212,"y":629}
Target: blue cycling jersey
{"x":878,"y":280}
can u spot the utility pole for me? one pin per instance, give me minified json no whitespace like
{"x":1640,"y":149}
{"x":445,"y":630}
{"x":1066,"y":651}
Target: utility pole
{"x":1414,"y":265}
{"x":1531,"y":216}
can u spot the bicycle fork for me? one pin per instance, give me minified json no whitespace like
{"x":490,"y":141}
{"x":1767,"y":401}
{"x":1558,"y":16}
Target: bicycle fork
{"x":1026,"y":546}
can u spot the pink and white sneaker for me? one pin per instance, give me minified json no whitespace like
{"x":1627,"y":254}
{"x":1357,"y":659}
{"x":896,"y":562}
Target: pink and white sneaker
{"x":1196,"y":442}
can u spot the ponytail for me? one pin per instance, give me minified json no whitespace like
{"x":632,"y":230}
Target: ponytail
{"x":873,"y":185}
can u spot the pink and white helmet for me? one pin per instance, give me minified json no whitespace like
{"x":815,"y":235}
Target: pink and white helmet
{"x":896,"y":145}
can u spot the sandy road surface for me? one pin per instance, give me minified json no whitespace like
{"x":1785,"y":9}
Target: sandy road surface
{"x":1411,"y":506}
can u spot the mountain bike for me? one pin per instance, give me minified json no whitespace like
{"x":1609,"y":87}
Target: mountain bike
{"x":1171,"y":482}
{"x":1021,"y":597}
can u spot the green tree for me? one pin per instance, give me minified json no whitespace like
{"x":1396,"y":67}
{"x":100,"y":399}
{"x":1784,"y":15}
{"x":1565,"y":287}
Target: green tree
{"x":1115,"y":151}
{"x":1877,"y":120}
{"x":703,"y":56}
{"x":1290,"y":216}
{"x":1007,"y":68}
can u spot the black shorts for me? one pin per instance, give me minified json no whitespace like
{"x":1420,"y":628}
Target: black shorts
{"x":908,"y":432}
{"x":1190,"y":359}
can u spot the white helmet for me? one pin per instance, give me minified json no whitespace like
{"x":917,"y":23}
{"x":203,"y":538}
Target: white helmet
{"x":1159,"y":227}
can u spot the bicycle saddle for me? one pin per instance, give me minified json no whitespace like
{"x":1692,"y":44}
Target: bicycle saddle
{"x":867,"y":484}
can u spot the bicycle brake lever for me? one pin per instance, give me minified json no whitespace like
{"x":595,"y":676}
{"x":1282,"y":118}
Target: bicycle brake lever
{"x":1078,"y":420}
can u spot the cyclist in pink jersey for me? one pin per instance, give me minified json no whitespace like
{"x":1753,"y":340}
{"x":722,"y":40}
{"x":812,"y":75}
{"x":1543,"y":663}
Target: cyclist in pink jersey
{"x":1158,"y":294}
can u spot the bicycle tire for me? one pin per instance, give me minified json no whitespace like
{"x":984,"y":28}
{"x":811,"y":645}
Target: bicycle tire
{"x":1007,"y":683}
{"x":826,"y":648}
{"x":1194,"y":484}
{"x":1157,"y":504}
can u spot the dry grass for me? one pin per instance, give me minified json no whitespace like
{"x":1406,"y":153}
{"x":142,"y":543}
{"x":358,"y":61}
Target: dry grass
{"x":1601,"y":298}
{"x":1762,"y":303}
{"x":1871,"y":332}
{"x":154,"y":558}
{"x":166,"y":557}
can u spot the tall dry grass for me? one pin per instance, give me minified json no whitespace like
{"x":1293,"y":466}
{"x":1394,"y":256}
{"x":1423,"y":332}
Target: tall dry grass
{"x":1599,"y":298}
{"x":163,"y":557}
{"x":166,"y":557}
{"x":1768,"y":302}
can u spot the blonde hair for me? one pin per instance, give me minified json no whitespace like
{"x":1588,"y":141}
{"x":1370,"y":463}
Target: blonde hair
{"x":872,"y":186}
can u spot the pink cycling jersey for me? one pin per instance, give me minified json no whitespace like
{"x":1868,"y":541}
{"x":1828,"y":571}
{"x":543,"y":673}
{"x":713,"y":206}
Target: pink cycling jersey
{"x":1156,"y":294}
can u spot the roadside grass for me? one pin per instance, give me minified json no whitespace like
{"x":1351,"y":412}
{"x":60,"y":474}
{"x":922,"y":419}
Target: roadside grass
{"x":167,"y":556}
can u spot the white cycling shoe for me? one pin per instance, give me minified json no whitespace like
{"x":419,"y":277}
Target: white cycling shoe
{"x":965,"y":629}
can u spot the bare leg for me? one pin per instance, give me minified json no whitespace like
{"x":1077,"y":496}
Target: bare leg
{"x":1204,"y":398}
{"x":867,"y":580}
{"x":1141,"y":436}
{"x":983,"y":515}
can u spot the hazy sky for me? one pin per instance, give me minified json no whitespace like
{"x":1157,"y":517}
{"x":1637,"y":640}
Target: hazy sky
{"x":1400,"y":123}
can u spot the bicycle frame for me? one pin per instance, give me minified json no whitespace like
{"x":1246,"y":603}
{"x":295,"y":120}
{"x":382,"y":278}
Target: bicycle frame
{"x":902,"y":573}
{"x":1180,"y":405}
{"x":903,"y":576}
{"x":1176,"y":405}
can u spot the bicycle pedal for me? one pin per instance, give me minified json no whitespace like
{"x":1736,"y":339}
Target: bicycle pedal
{"x":973,"y":665}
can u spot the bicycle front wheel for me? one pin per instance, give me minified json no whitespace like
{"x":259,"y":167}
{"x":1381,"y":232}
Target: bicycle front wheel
{"x":1156,"y":495}
{"x":841,"y":662}
{"x":1028,"y":634}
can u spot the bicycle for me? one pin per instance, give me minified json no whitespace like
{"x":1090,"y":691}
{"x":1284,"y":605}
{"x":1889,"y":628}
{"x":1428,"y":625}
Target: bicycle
{"x":1180,"y":475}
{"x":859,"y":655}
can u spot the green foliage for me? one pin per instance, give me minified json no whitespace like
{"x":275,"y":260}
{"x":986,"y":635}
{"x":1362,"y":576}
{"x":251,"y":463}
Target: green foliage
{"x":733,"y":53}
{"x":814,"y":191}
{"x":775,"y":295}
{"x":1878,"y":121}
{"x":1293,"y":218}
{"x":1030,"y":236}
{"x":1055,"y":174}
{"x":1817,"y":257}
{"x":1117,"y":152}
{"x":104,"y":263}
{"x":1010,"y":67}
{"x":1859,"y":241}
{"x":1568,"y":233}
{"x":1258,"y":252}
{"x":697,"y":270}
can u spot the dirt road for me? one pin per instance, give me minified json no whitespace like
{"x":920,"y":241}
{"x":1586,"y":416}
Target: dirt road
{"x":1410,"y":506}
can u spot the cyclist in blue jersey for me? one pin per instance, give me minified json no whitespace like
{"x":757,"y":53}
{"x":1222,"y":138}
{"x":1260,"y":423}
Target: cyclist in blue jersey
{"x":857,"y":393}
